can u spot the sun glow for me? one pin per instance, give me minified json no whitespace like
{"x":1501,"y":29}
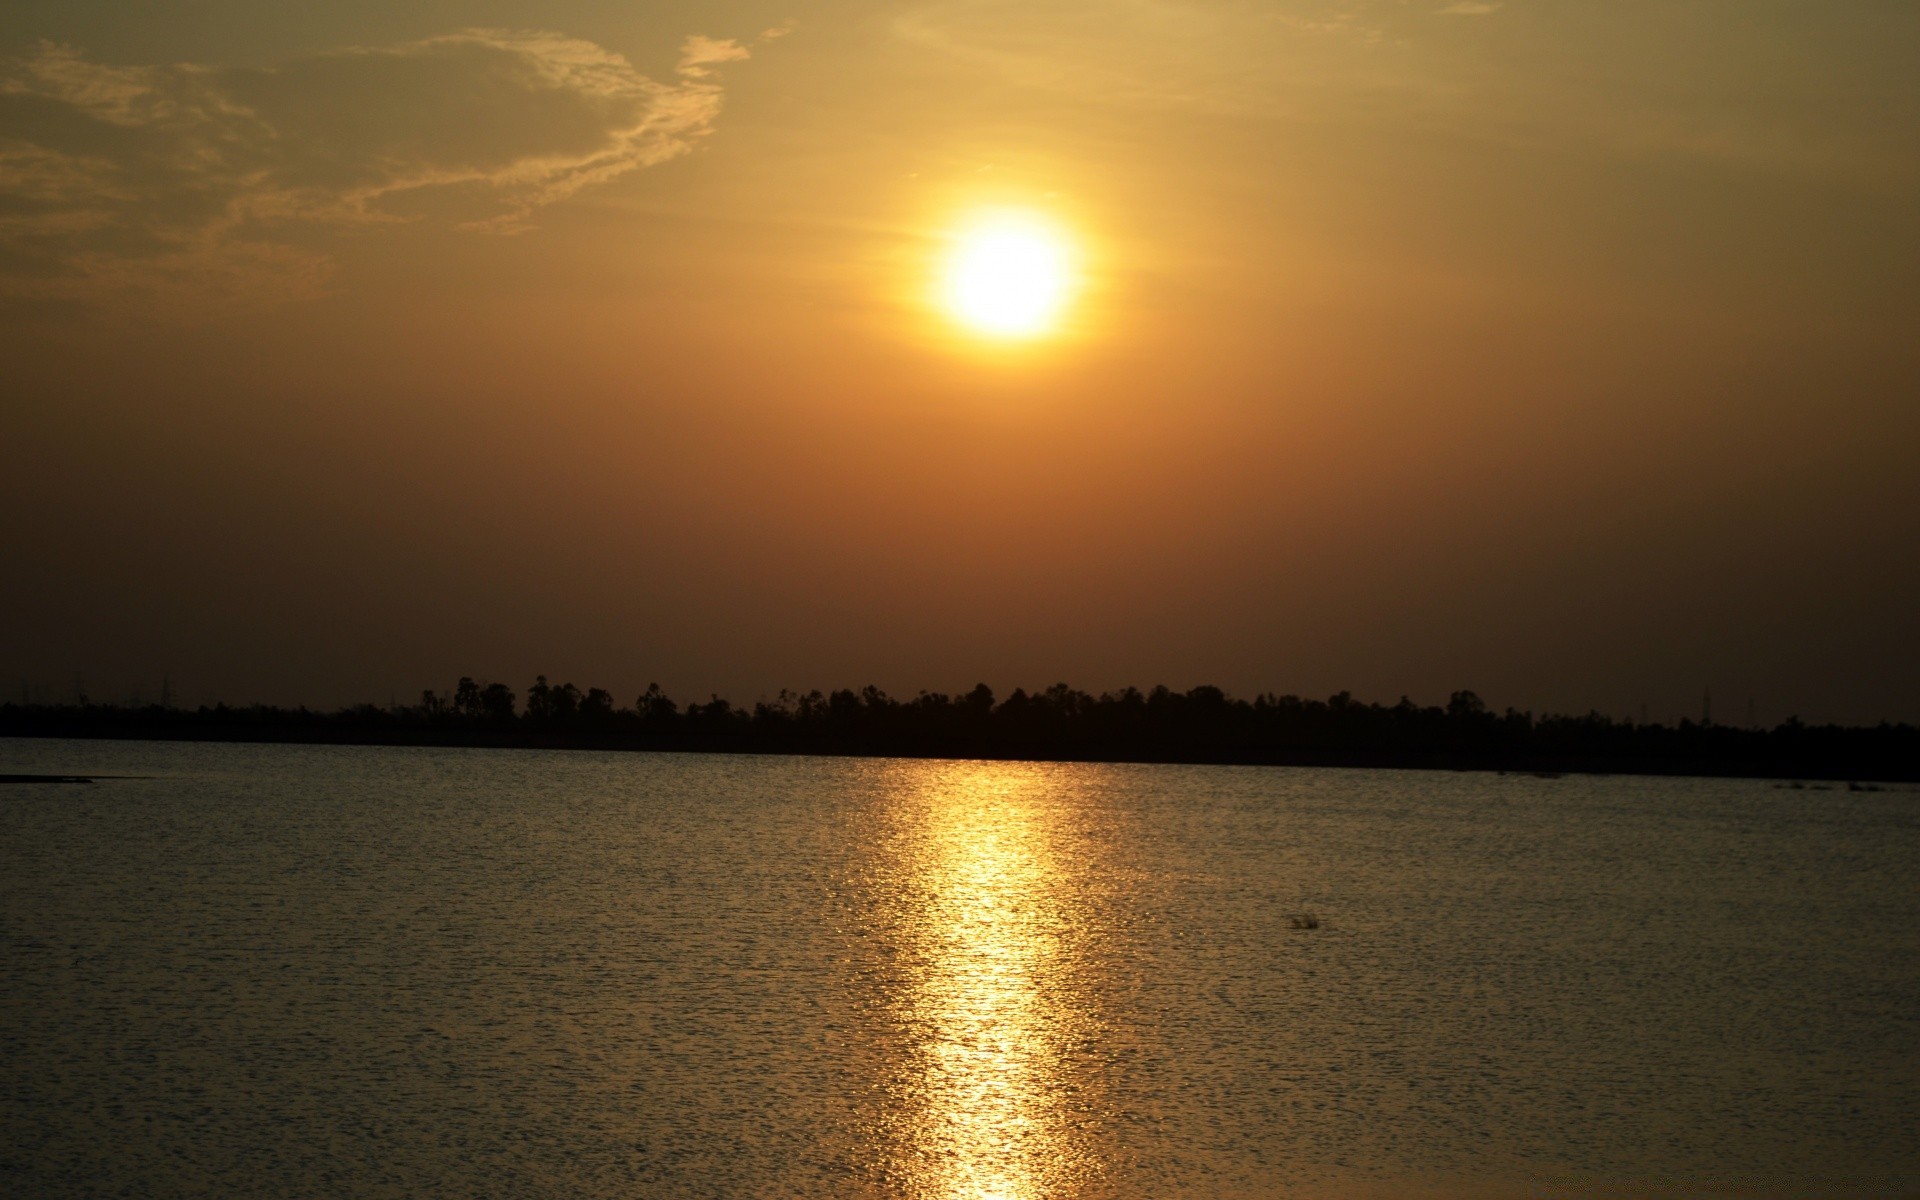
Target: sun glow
{"x":1009,"y":275}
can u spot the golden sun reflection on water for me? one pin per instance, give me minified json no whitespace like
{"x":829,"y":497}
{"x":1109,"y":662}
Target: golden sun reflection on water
{"x":986,"y":923}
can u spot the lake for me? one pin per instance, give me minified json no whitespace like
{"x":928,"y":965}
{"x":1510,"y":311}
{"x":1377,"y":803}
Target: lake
{"x":339,"y":971}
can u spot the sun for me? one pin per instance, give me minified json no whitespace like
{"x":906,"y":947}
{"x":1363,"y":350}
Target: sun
{"x":1009,"y":275}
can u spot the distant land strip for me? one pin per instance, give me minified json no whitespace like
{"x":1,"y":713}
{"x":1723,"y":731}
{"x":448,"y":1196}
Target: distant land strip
{"x":1060,"y":724}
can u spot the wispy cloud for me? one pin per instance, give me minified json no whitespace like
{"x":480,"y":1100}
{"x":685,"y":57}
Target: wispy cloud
{"x":1627,"y":85}
{"x":1225,"y":56}
{"x":226,"y":181}
{"x":699,"y":55}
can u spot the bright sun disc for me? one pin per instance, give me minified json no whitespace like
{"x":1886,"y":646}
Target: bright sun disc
{"x":1009,"y":276}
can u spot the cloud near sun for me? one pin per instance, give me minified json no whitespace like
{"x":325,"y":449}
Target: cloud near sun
{"x":223,"y":182}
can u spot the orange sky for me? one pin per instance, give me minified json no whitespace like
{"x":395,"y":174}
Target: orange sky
{"x":1557,"y":350}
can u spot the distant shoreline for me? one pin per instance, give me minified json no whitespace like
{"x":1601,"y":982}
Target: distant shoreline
{"x":1199,"y":727}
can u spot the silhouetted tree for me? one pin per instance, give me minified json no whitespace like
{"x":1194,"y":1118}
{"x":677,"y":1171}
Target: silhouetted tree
{"x":811,"y":709}
{"x":843,"y":708}
{"x":496,"y":701}
{"x":1465,"y":706}
{"x":715,"y":716}
{"x":655,"y":708}
{"x":540,"y":700}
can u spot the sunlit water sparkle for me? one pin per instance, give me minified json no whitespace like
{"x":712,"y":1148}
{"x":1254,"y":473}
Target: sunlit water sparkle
{"x":379,"y":972}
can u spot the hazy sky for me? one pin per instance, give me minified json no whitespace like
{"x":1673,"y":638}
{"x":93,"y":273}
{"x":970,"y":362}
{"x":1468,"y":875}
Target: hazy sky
{"x":1565,"y":351}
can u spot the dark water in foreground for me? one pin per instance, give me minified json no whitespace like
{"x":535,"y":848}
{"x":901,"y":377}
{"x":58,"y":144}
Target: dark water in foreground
{"x":379,"y":972}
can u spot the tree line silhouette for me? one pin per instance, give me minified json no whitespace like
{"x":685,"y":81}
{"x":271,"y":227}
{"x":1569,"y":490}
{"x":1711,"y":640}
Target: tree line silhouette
{"x":1202,"y":724}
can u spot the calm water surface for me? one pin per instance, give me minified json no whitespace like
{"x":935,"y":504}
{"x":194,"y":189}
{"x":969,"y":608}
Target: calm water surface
{"x":378,"y":972}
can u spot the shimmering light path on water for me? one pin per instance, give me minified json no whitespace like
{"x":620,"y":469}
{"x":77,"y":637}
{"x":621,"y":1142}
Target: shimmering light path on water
{"x":354,"y":972}
{"x":983,"y":905}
